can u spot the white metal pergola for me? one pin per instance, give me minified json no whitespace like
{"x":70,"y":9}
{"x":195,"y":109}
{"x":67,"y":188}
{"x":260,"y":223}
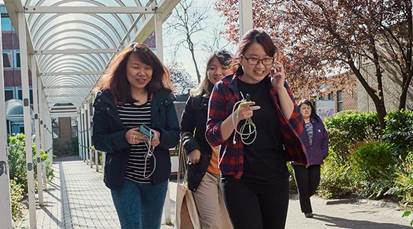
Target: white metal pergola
{"x":67,"y":45}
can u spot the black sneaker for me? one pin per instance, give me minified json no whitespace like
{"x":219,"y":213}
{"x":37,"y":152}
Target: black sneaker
{"x":308,"y":215}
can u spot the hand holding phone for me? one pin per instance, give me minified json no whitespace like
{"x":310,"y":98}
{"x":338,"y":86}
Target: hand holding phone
{"x":145,"y":130}
{"x":152,"y":135}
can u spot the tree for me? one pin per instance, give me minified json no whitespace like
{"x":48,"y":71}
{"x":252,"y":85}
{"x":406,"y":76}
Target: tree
{"x":187,"y":21}
{"x":216,"y":41}
{"x":181,"y":79}
{"x":316,"y":35}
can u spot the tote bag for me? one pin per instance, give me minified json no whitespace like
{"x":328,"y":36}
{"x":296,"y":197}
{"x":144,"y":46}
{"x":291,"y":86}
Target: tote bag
{"x":186,"y":212}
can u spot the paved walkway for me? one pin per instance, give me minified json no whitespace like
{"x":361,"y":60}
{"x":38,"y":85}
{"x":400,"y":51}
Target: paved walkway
{"x":77,"y":198}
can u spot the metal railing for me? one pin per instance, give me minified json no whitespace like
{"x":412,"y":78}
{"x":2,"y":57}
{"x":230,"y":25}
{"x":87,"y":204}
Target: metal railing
{"x":93,"y":159}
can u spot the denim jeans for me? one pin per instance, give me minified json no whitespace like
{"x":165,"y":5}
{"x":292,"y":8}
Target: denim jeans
{"x":139,"y":206}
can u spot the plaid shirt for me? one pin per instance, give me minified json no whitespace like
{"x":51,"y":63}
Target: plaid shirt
{"x":224,"y":95}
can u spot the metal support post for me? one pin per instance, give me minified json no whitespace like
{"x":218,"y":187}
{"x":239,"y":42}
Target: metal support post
{"x":37,"y":129}
{"x":27,"y":119}
{"x":5,"y":206}
{"x":245,"y":16}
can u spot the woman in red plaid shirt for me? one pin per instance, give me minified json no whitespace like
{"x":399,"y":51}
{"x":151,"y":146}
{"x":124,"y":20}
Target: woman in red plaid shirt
{"x":254,"y":171}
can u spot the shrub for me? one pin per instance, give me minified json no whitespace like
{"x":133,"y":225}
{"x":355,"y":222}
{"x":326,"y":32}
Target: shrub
{"x":403,"y":182}
{"x":75,"y":146}
{"x":16,"y":191}
{"x":336,"y":177}
{"x":62,"y":147}
{"x":347,"y":129}
{"x":399,"y":131}
{"x":293,"y":184}
{"x":407,"y":213}
{"x":373,"y":166}
{"x":17,"y":160}
{"x":47,"y":164}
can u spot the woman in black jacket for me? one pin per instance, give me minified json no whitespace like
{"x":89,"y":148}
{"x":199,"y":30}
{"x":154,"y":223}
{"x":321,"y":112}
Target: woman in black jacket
{"x":203,"y":171}
{"x":135,"y":123}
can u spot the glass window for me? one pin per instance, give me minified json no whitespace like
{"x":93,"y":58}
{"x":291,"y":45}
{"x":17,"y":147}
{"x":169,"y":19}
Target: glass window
{"x":8,"y":93}
{"x":19,"y":94}
{"x":7,"y":59}
{"x":31,"y":96}
{"x":340,"y":101}
{"x":330,"y":96}
{"x":17,"y":59}
{"x":6,"y":23}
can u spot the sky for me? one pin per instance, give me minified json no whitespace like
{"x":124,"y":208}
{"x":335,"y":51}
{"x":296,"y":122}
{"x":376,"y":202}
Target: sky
{"x":214,"y":22}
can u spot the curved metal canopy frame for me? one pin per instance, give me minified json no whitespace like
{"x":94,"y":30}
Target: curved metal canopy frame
{"x":89,"y":64}
{"x":74,"y":33}
{"x":78,"y":23}
{"x":72,"y":46}
{"x":68,"y":81}
{"x":43,"y":45}
{"x":95,"y":59}
{"x":51,"y":59}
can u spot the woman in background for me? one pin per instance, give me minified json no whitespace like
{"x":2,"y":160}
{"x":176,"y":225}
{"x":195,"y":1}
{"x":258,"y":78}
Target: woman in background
{"x":307,"y":176}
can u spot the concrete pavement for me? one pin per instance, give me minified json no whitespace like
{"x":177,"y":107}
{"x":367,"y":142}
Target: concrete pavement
{"x":77,"y":198}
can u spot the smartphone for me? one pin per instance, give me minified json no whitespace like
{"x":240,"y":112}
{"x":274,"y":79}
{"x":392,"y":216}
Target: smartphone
{"x":145,"y":130}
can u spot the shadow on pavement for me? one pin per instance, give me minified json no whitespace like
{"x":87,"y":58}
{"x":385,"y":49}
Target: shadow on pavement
{"x":51,"y":216}
{"x":67,"y":158}
{"x":356,"y":224}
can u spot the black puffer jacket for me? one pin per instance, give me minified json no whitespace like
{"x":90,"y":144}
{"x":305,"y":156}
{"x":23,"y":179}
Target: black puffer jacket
{"x":193,"y":126}
{"x":109,"y":136}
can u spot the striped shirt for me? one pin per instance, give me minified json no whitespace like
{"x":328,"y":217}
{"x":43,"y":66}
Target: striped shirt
{"x":133,"y":116}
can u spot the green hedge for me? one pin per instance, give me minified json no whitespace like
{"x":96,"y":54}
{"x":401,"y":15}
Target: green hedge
{"x":17,"y":168}
{"x":16,"y":191}
{"x":366,"y":161}
{"x":403,"y":181}
{"x":336,"y":177}
{"x":399,"y":131}
{"x":347,"y":129}
{"x":17,"y":160}
{"x":373,"y":168}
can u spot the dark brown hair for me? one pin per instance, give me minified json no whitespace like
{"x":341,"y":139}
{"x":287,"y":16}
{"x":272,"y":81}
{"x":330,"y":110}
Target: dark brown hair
{"x":313,"y":114}
{"x":205,"y":87}
{"x":115,"y":79}
{"x":257,"y":36}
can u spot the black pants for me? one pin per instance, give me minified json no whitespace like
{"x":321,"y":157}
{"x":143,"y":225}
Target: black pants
{"x":256,"y":206}
{"x":307,"y":180}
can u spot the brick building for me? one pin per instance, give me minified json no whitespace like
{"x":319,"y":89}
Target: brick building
{"x":342,"y":93}
{"x":12,"y":80}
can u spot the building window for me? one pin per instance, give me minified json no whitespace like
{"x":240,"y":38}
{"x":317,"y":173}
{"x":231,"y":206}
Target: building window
{"x":340,"y":101}
{"x":330,"y":96}
{"x":31,"y":96}
{"x":8,"y":94}
{"x":6,"y":23}
{"x":7,"y":59}
{"x":17,"y":59}
{"x":20,"y":95}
